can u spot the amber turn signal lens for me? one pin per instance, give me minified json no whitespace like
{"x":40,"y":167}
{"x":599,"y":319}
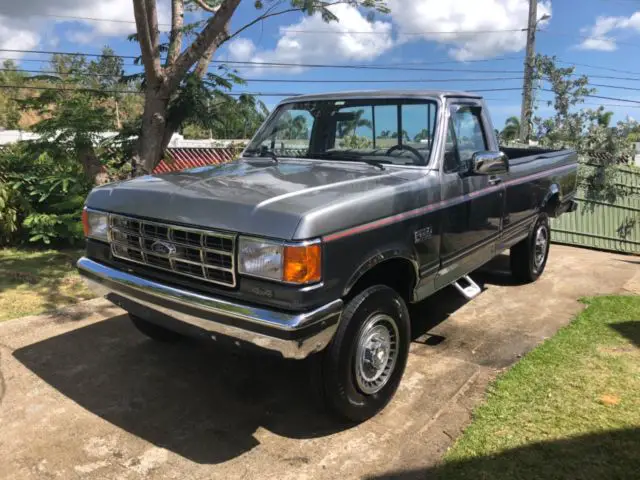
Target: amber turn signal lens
{"x":85,"y":222}
{"x":302,"y":264}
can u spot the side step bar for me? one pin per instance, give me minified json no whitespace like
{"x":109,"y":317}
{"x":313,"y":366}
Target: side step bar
{"x":467,"y":287}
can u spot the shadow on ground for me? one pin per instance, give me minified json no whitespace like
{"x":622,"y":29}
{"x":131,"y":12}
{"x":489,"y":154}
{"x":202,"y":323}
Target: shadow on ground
{"x":195,"y":399}
{"x":629,"y":330}
{"x":607,"y":455}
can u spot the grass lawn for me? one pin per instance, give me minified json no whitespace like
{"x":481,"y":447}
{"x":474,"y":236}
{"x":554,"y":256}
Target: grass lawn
{"x":569,"y":409}
{"x":36,"y":281}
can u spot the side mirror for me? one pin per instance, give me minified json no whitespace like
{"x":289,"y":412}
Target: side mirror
{"x":489,"y":163}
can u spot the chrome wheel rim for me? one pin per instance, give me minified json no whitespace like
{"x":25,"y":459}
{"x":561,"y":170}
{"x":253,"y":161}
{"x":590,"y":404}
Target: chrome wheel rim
{"x":376,"y":353}
{"x":541,"y":245}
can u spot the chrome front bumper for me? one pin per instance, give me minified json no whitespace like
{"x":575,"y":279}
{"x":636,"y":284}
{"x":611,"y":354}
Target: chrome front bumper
{"x":294,"y":335}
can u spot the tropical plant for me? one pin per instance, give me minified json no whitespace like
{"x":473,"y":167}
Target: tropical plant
{"x":511,"y":129}
{"x":356,"y":142}
{"x":42,"y":197}
{"x":601,"y":148}
{"x":349,"y":127}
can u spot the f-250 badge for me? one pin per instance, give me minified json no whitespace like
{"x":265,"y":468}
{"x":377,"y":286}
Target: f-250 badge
{"x":422,"y":235}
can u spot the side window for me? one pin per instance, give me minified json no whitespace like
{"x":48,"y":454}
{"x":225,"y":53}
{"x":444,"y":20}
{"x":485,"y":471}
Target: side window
{"x":469,"y":133}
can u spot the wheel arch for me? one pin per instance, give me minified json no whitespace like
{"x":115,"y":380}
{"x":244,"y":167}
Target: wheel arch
{"x":551,"y":200}
{"x":397,"y":269}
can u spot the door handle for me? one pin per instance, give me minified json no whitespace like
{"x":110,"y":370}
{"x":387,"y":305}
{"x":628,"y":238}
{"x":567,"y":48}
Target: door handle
{"x":493,"y":180}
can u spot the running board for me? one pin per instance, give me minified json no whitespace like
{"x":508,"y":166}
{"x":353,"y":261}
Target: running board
{"x":467,"y":287}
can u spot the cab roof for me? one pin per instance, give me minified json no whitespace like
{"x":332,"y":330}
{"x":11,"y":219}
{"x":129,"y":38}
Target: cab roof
{"x":363,"y":94}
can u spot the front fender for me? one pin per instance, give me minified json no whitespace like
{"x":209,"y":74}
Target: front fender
{"x":399,"y":253}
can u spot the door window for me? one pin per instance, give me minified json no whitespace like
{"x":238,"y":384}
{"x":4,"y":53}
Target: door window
{"x":465,"y":137}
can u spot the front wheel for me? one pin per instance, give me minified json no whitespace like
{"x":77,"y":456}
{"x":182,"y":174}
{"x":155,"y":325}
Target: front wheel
{"x":363,"y":365}
{"x":529,"y":257}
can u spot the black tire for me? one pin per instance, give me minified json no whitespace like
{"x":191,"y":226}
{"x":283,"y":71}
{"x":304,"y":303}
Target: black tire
{"x":378,"y":307}
{"x":527,"y":258}
{"x":155,"y":332}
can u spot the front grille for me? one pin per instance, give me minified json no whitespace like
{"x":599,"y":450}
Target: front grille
{"x":190,"y":252}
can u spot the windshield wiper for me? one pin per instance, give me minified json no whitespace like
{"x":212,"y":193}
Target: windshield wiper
{"x":349,"y":157}
{"x":375,"y":163}
{"x":264,"y":153}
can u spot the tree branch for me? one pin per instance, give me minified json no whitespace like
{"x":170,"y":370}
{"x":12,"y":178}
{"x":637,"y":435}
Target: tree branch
{"x":175,"y":36}
{"x":204,"y":6}
{"x":203,"y":63}
{"x":213,"y":33}
{"x":269,"y":14}
{"x":147,"y":25}
{"x":259,"y":19}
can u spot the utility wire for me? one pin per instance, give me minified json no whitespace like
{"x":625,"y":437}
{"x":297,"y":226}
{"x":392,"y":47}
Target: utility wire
{"x":306,"y":65}
{"x":597,"y":67}
{"x":253,"y":64}
{"x":336,"y":81}
{"x":281,"y":80}
{"x":114,"y":20}
{"x":134,"y":92}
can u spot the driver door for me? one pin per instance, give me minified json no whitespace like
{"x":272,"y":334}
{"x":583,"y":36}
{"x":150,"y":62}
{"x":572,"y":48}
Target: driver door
{"x":472,"y":220}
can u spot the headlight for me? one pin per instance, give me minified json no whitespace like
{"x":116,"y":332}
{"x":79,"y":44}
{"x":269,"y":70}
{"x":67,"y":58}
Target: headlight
{"x":291,"y":263}
{"x":95,"y":224}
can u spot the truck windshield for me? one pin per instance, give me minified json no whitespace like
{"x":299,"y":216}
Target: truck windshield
{"x":377,"y":131}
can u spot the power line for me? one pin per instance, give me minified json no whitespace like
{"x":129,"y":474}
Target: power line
{"x":426,"y":32}
{"x":128,"y":92}
{"x":254,"y":64}
{"x":594,"y":37}
{"x":597,"y":67}
{"x":306,"y":65}
{"x":132,"y":22}
{"x":336,"y":81}
{"x":283,"y":94}
{"x":281,"y":80}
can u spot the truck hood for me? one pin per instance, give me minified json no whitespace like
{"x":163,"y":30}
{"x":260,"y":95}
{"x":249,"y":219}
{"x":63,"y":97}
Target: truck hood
{"x":257,"y":197}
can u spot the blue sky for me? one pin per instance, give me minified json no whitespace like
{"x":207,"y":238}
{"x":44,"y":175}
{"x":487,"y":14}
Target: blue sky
{"x":602,"y":33}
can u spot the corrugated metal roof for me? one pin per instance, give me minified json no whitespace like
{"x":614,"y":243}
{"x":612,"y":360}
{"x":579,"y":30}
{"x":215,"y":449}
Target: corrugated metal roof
{"x":183,"y":158}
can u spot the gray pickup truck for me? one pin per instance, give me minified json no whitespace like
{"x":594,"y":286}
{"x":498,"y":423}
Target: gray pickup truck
{"x":343,"y":209}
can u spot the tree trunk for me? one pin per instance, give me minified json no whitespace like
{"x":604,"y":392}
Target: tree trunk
{"x":154,"y":123}
{"x":91,"y":165}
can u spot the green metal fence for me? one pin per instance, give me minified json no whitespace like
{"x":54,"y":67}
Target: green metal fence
{"x":606,"y":226}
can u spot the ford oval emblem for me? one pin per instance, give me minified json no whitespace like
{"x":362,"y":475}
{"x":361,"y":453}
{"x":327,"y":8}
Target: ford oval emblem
{"x":163,"y":248}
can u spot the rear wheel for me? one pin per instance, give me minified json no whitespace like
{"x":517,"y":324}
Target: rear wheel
{"x":154,"y":331}
{"x":529,"y":257}
{"x":363,"y":366}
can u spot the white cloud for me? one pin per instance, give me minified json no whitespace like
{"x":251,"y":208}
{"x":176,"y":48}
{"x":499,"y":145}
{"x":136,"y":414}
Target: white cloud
{"x":25,"y":24}
{"x":599,"y":35}
{"x":372,"y":40}
{"x":16,"y":36}
{"x":604,"y":44}
{"x":409,"y":21}
{"x":466,"y":16}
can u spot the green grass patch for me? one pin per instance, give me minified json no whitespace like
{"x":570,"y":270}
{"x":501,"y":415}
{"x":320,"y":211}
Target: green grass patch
{"x":569,"y":409}
{"x":36,"y":281}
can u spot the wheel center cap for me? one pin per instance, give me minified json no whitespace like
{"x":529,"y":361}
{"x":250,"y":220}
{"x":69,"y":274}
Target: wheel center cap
{"x":379,"y":356}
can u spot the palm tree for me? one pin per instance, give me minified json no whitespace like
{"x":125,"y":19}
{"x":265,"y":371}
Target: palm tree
{"x":349,"y":127}
{"x":604,"y":118}
{"x":511,"y":129}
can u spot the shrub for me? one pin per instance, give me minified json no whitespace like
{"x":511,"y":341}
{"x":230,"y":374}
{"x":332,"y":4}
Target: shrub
{"x":41,"y":198}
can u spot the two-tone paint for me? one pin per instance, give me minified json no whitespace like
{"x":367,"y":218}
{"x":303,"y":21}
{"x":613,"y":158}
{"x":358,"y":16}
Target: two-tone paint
{"x":442,"y":224}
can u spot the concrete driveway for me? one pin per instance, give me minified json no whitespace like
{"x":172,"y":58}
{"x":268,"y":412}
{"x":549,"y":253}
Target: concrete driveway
{"x":85,"y":395}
